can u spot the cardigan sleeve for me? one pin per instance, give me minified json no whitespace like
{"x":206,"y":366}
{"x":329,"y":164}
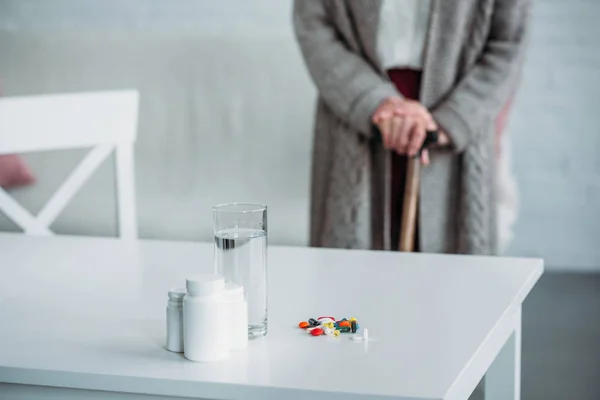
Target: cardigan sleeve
{"x":348,"y":84}
{"x":486,"y":88}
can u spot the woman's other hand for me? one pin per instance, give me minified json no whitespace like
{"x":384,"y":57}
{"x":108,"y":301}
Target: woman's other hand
{"x":403,"y":125}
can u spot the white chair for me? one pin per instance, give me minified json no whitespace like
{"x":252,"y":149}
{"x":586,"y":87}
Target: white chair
{"x":105,"y":120}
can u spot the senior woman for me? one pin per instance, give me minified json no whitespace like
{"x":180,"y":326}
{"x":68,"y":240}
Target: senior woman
{"x":405,"y":67}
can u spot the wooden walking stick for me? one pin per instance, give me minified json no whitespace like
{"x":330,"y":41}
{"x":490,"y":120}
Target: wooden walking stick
{"x":411,"y":196}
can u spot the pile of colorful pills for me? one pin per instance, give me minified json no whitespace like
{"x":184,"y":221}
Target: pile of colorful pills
{"x":329,"y":326}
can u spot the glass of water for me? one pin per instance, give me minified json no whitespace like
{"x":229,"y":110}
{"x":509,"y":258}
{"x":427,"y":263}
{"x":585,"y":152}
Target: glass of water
{"x":240,"y":232}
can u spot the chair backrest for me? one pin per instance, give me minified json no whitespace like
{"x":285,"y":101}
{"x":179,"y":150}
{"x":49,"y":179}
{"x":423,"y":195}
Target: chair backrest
{"x":105,"y":121}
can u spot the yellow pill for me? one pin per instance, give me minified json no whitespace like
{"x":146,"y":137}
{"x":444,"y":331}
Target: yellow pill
{"x":336,"y":333}
{"x":352,"y":319}
{"x":329,"y":325}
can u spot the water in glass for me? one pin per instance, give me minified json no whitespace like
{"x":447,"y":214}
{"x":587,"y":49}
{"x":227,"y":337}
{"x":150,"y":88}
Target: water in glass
{"x":241,"y":256}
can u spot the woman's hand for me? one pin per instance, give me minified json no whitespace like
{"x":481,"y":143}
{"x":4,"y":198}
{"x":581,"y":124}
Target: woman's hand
{"x":403,"y":125}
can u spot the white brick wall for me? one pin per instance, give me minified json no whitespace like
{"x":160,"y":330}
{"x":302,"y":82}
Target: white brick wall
{"x":555,"y":128}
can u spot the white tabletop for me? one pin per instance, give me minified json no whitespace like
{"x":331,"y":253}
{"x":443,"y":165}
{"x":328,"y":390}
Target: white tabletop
{"x":89,"y":313}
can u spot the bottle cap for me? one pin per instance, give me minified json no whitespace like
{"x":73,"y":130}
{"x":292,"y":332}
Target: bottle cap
{"x":205,"y":284}
{"x":234,"y":292}
{"x":177,"y":294}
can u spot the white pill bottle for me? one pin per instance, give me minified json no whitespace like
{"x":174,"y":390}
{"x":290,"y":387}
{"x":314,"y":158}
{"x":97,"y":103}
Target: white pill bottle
{"x":175,"y":320}
{"x":206,"y":335}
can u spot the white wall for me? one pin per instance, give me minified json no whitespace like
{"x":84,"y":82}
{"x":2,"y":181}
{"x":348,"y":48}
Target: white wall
{"x":555,"y":128}
{"x":225,"y":114}
{"x":224,"y":80}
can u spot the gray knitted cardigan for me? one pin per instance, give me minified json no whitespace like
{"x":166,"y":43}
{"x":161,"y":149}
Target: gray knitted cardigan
{"x":472,"y":61}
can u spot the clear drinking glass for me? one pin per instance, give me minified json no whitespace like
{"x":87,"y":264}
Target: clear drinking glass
{"x":240,"y":232}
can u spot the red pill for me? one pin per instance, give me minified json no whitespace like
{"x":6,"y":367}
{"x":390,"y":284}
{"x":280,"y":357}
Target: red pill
{"x":317,"y":332}
{"x":303,"y":324}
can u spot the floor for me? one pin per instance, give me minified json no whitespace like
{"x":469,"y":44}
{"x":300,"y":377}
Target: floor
{"x":561,"y":339}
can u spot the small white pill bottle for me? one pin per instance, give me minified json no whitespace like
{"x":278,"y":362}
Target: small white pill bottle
{"x":175,"y":320}
{"x":238,"y":315}
{"x":205,"y":319}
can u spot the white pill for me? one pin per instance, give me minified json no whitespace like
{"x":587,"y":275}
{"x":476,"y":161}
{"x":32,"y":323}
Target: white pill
{"x":365,"y":334}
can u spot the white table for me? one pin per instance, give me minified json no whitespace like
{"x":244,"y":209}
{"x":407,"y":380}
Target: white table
{"x":84,"y":318}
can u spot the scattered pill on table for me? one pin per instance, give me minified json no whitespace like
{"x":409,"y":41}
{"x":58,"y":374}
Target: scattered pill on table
{"x":330,"y":327}
{"x":316,"y":332}
{"x":362,"y":338}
